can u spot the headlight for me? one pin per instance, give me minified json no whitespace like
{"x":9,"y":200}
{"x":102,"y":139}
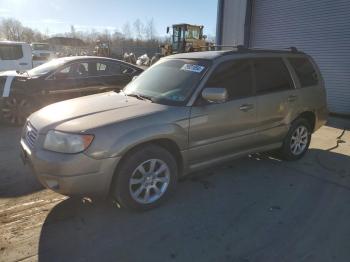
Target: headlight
{"x":66,"y":143}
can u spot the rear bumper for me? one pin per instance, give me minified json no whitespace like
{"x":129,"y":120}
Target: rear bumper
{"x":71,"y":174}
{"x":321,"y":117}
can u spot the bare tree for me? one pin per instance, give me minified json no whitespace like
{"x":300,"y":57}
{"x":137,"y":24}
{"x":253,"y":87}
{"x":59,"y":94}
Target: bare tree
{"x":105,"y":36}
{"x":12,"y":29}
{"x":150,"y":30}
{"x":138,"y":28}
{"x":131,"y":38}
{"x":28,"y":35}
{"x":72,"y":31}
{"x":127,"y":31}
{"x":39,"y":37}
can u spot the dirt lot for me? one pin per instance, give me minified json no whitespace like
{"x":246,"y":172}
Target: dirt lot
{"x":253,"y":209}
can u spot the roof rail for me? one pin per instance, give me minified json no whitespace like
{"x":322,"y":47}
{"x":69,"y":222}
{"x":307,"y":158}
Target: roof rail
{"x":293,"y":49}
{"x":242,"y":48}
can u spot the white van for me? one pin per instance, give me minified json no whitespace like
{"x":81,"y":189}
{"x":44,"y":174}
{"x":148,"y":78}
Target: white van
{"x":42,"y":53}
{"x":15,"y":56}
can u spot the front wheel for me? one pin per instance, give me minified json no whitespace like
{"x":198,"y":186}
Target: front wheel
{"x":15,"y":110}
{"x":297,"y":141}
{"x":146,"y":177}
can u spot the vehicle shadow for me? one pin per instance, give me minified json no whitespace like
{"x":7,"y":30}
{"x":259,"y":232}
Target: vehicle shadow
{"x":15,"y":178}
{"x":257,"y":208}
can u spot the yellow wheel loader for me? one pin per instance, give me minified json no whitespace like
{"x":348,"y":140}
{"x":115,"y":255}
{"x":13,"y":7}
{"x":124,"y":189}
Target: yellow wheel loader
{"x":185,"y":38}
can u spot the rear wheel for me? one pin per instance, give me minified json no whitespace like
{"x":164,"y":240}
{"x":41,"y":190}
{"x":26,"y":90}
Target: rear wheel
{"x":297,"y":141}
{"x":15,"y":110}
{"x":146,"y":178}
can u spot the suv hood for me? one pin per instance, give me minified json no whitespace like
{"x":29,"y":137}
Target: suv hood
{"x":84,"y":113}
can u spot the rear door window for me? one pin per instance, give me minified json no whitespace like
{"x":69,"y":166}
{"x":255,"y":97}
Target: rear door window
{"x":305,"y":71}
{"x":11,"y":52}
{"x":107,"y":69}
{"x":235,"y":76}
{"x":271,"y":75}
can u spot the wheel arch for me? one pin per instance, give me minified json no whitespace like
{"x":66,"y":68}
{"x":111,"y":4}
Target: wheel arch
{"x":310,"y":117}
{"x":168,"y":144}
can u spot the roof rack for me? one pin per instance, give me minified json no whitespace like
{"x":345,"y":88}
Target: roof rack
{"x":293,"y":49}
{"x":244,"y":48}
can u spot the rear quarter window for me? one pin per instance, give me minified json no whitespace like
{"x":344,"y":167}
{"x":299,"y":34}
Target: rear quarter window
{"x":107,"y":69}
{"x":305,"y":71}
{"x":11,"y":52}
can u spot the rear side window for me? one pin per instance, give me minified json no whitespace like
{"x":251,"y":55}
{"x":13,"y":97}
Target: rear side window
{"x":305,"y":71}
{"x":235,"y":76}
{"x":11,"y":52}
{"x":107,"y":69}
{"x":271,"y":75}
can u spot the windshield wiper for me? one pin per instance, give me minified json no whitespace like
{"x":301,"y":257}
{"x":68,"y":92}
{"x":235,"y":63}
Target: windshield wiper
{"x":141,"y":97}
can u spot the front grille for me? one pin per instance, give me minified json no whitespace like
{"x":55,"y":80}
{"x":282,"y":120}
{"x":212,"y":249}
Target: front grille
{"x":30,"y":135}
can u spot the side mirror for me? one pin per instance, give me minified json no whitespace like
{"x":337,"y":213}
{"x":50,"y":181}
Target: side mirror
{"x":205,"y":36}
{"x":215,"y":94}
{"x":134,"y":78}
{"x":167,"y":30}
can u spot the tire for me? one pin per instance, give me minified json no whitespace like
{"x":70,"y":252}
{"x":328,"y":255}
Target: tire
{"x":15,"y":110}
{"x":294,"y":145}
{"x":135,"y":177}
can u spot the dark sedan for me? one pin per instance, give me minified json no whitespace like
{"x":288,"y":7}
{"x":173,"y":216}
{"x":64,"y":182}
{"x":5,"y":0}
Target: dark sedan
{"x":64,"y":78}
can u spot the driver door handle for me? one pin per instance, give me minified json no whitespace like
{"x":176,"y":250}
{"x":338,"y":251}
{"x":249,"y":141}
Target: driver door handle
{"x":246,"y":107}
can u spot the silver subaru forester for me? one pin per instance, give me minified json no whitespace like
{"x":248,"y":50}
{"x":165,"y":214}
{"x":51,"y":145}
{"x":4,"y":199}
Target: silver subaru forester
{"x":186,"y":112}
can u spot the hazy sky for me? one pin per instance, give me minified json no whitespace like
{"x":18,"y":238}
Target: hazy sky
{"x":56,"y":16}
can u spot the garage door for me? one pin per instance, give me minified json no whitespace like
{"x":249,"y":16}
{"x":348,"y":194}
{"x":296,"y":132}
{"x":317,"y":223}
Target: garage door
{"x":318,"y":27}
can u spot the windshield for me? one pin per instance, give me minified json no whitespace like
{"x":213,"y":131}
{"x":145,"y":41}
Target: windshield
{"x":170,"y":81}
{"x":193,"y":32}
{"x":44,"y":47}
{"x":46,"y":68}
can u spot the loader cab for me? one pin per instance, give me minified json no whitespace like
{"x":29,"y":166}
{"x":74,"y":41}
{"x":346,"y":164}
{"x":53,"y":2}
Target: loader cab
{"x":184,"y":34}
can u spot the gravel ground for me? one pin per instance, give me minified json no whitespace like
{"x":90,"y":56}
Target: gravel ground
{"x":256,"y":208}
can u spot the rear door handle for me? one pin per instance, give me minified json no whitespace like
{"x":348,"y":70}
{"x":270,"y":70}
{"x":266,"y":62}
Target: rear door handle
{"x":246,"y":107}
{"x":22,"y":64}
{"x":292,"y":98}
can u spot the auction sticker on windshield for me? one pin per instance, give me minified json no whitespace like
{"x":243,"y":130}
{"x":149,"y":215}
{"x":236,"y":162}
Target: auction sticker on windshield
{"x":192,"y":68}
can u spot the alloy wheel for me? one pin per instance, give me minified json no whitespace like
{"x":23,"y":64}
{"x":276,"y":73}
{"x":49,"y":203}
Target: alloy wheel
{"x":149,"y":181}
{"x":15,"y":111}
{"x":299,"y":140}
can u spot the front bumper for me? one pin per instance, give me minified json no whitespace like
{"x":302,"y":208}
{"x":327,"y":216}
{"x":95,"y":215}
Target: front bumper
{"x":71,"y":174}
